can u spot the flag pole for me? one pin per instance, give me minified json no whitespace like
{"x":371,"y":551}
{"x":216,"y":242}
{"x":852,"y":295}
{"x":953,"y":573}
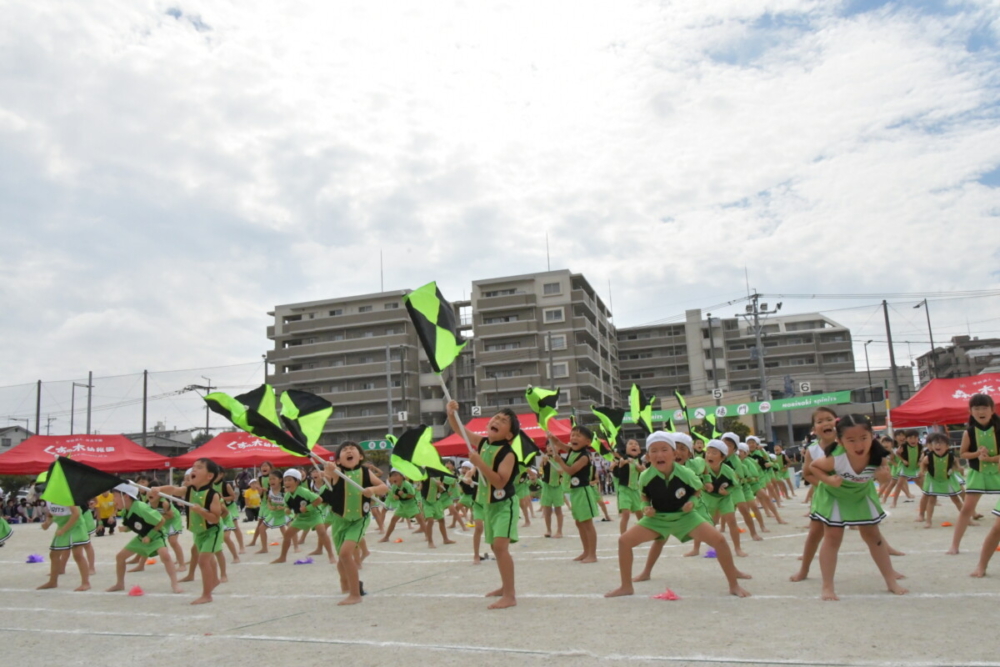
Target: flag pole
{"x":448,"y":399}
{"x":163,"y":495}
{"x":320,"y":465}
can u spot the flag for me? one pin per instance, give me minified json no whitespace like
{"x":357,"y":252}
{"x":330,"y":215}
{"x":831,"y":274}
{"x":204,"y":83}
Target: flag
{"x":524,"y":448}
{"x":684,"y":409}
{"x":434,"y":319}
{"x":572,"y":417}
{"x":603,"y":448}
{"x":255,"y":413}
{"x":305,"y":415}
{"x":544,"y":403}
{"x":71,"y":483}
{"x":413,"y":451}
{"x":641,"y":408}
{"x":611,"y":421}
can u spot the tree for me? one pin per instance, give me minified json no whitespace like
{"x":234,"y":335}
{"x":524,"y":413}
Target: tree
{"x":726,"y":424}
{"x":200,"y":439}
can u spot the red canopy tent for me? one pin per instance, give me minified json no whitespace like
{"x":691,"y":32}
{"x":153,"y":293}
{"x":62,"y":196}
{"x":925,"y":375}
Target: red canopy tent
{"x":945,"y":401}
{"x":454,"y":445}
{"x":110,"y":453}
{"x":242,"y":450}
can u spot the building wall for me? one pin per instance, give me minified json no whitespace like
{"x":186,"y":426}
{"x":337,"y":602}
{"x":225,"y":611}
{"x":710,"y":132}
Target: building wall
{"x":964,"y":357}
{"x":12,"y":436}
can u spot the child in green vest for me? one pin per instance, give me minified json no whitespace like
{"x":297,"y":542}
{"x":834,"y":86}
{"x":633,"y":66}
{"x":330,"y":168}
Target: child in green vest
{"x":150,"y":538}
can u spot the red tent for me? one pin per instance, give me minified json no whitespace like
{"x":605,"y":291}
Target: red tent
{"x":945,"y":401}
{"x":242,"y":450}
{"x":110,"y":453}
{"x":454,"y":445}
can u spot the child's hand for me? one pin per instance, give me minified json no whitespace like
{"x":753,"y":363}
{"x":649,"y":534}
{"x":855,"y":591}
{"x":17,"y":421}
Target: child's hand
{"x":451,"y":408}
{"x":723,"y":491}
{"x":145,"y":540}
{"x":709,"y":488}
{"x":834,"y":480}
{"x":649,"y":511}
{"x":688,"y":506}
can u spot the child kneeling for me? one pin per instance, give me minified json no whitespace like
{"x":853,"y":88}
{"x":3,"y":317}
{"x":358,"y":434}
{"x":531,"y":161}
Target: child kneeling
{"x":669,"y":489}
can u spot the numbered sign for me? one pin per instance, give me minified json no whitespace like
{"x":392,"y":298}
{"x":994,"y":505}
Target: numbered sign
{"x":477,"y":411}
{"x":717,"y":394}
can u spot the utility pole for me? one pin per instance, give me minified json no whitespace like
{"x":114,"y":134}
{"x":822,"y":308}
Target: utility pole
{"x":932,"y":366}
{"x":48,"y":424}
{"x":208,"y":390}
{"x":402,"y":383}
{"x":756,"y":309}
{"x":711,"y":351}
{"x":871,"y":389}
{"x":38,"y":408}
{"x":388,"y":389}
{"x":892,"y":357}
{"x":90,"y":396}
{"x":145,"y":388}
{"x":72,"y":405}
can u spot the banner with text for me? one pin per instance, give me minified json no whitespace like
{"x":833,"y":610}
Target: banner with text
{"x":759,"y":408}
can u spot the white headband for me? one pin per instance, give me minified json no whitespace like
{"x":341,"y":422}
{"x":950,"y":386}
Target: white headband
{"x":719,"y":445}
{"x":660,"y":436}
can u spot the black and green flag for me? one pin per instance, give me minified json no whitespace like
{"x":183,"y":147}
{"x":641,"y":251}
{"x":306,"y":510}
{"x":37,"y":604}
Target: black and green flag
{"x":684,"y":409}
{"x":524,"y":448}
{"x":603,"y":447}
{"x":412,"y":451}
{"x":544,"y":403}
{"x":255,"y":413}
{"x":72,"y":483}
{"x":572,"y":417}
{"x":304,"y":415}
{"x":434,"y":319}
{"x":611,"y":421}
{"x":641,"y":408}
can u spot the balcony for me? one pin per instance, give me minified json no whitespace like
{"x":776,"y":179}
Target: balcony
{"x":375,"y":317}
{"x":511,"y":301}
{"x":335,"y":347}
{"x":506,"y":328}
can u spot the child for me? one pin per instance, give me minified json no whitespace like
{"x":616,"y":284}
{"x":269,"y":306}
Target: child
{"x":739,"y":492}
{"x":718,"y":479}
{"x":911,"y":454}
{"x":148,"y":526}
{"x":981,"y":448}
{"x":350,"y":508}
{"x":903,"y":480}
{"x":5,"y":530}
{"x":938,"y":467}
{"x":318,"y":485}
{"x":251,"y":499}
{"x":204,"y":520}
{"x":824,"y":424}
{"x":496,"y":462}
{"x":847,"y":498}
{"x":579,"y":468}
{"x":763,"y":486}
{"x":552,"y":498}
{"x":172,"y":528}
{"x":435,"y":494}
{"x":626,"y":472}
{"x":230,"y":521}
{"x":784,"y":480}
{"x":71,"y":536}
{"x":404,"y":497}
{"x":273,"y":513}
{"x":304,"y":505}
{"x":669,"y":489}
{"x":894,"y":466}
{"x":264,"y":480}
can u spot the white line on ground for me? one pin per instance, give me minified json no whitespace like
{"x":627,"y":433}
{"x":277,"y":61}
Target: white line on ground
{"x":91,"y":612}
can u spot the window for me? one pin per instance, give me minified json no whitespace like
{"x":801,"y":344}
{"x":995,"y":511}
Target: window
{"x":292,"y":318}
{"x":509,"y":373}
{"x":558,"y":342}
{"x":551,"y":288}
{"x":392,"y":306}
{"x":336,"y":388}
{"x":367,"y":359}
{"x":499,"y":292}
{"x":368,"y":334}
{"x":500,"y":319}
{"x":364,"y":386}
{"x":336,"y":312}
{"x":364,"y":309}
{"x":840,"y":358}
{"x":564,"y":397}
{"x":4,"y":442}
{"x":559,"y":370}
{"x":496,"y":347}
{"x":554,"y":315}
{"x":396,"y":382}
{"x":392,"y":331}
{"x":337,"y":336}
{"x":337,"y":362}
{"x":367,"y":412}
{"x":312,"y":316}
{"x":292,"y":368}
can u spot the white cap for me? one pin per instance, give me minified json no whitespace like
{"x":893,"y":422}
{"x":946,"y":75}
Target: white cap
{"x":719,"y":445}
{"x":743,"y":447}
{"x":754,"y":438}
{"x":293,"y":473}
{"x":189,"y":471}
{"x":729,"y":435}
{"x":684,"y":439}
{"x":467,"y":464}
{"x":130,"y":490}
{"x":774,"y":457}
{"x":660,"y":436}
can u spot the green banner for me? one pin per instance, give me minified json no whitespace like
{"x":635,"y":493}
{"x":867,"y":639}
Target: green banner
{"x":375,"y":445}
{"x":762,"y":407}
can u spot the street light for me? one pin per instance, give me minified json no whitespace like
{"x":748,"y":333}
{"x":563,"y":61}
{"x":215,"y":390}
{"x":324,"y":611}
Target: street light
{"x":931,"y":367}
{"x":207,"y":388}
{"x":27,"y":422}
{"x":871,"y":391}
{"x":72,"y":403}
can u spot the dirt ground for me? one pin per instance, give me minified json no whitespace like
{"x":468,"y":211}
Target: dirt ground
{"x":426,"y":606}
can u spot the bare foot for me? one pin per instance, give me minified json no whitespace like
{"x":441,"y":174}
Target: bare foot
{"x":739,"y":592}
{"x":799,"y":576}
{"x":783,"y":523}
{"x":693,"y":552}
{"x":977,"y":516}
{"x":504,"y":602}
{"x":927,"y":525}
{"x":765,"y":530}
{"x":242,"y":551}
{"x":898,"y":575}
{"x":236,"y":560}
{"x":449,"y":542}
{"x":93,"y":571}
{"x":741,"y":553}
{"x":978,"y":573}
{"x":204,"y":599}
{"x":277,"y":560}
{"x":139,"y":568}
{"x":642,"y":576}
{"x":801,"y":558}
{"x":318,"y":552}
{"x":82,"y":587}
{"x":896,"y":589}
{"x":45,"y":586}
{"x":430,"y":545}
{"x":742,"y":575}
{"x":494,"y":594}
{"x":829,"y":594}
{"x":384,"y":539}
{"x":589,"y":559}
{"x":261,"y":551}
{"x":350,"y":599}
{"x":952,"y":552}
{"x":757,"y":538}
{"x":177,"y":589}
{"x":895,"y":552}
{"x":223,"y":579}
{"x":333,"y":561}
{"x":116,"y":587}
{"x":919,"y":519}
{"x":620,"y":591}
{"x":557,"y":536}
{"x":187,"y":578}
{"x":580,"y":557}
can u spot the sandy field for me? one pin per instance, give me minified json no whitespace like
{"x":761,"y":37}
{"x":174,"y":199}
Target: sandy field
{"x":426,"y":607}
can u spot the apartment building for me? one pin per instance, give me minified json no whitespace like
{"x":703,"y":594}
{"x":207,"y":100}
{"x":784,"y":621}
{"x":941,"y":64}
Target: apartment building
{"x":546,"y":329}
{"x":362,"y":354}
{"x":965,"y":356}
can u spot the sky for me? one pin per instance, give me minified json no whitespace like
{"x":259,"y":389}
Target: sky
{"x":171,"y":171}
